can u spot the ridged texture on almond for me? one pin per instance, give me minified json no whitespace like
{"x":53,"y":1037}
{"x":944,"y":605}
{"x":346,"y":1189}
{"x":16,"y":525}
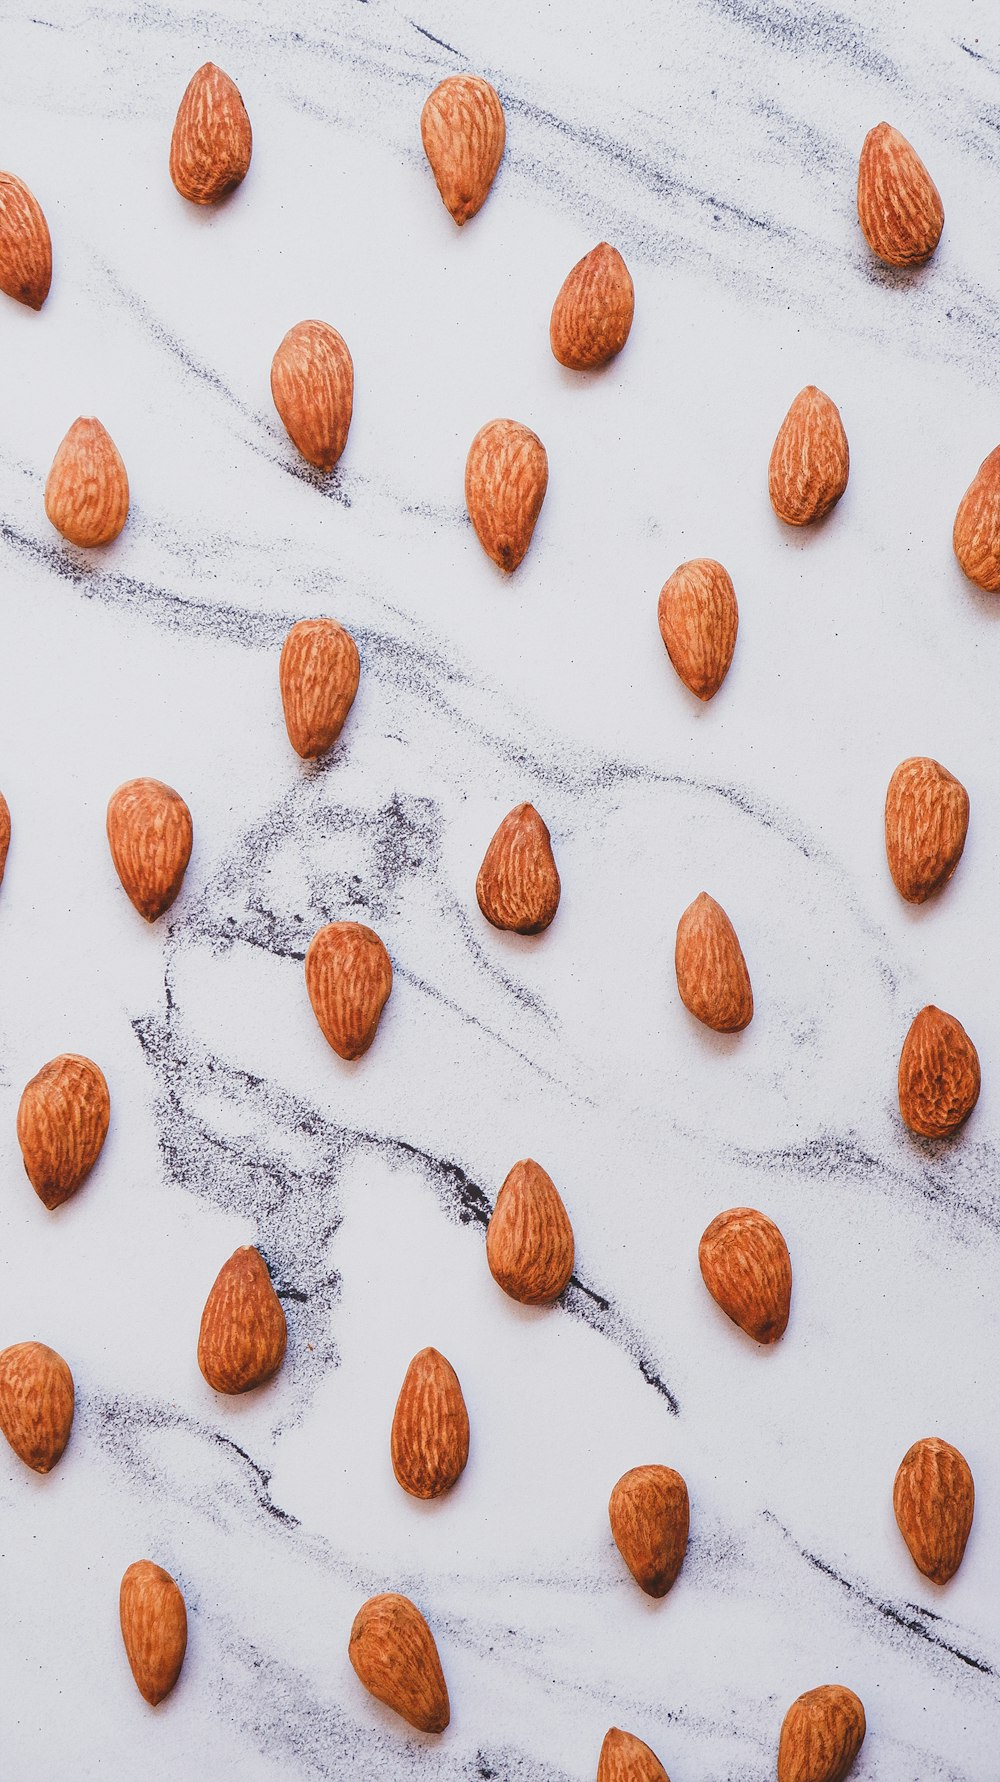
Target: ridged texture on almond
{"x":939,"y":1076}
{"x":312,"y":382}
{"x":746,"y":1267}
{"x":821,"y":1735}
{"x":37,"y":1401}
{"x":212,"y":142}
{"x":318,"y":673}
{"x":86,"y":494}
{"x":4,"y":834}
{"x":699,"y":618}
{"x":712,"y":976}
{"x":154,"y":1628}
{"x":976,"y":537}
{"x":393,"y":1652}
{"x":934,"y":1498}
{"x":62,"y":1123}
{"x":463,"y":132}
{"x":506,"y":475}
{"x":430,"y":1427}
{"x":624,"y":1758}
{"x":592,"y":315}
{"x":650,"y":1515}
{"x":25,"y":247}
{"x":518,"y":884}
{"x":899,"y":206}
{"x":810,"y":461}
{"x":348,"y":978}
{"x":243,"y":1335}
{"x":150,"y":836}
{"x":529,"y":1239}
{"x":926,"y":823}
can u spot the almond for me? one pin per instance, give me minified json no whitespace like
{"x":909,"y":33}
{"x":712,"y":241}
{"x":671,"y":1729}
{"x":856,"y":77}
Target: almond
{"x":4,"y":834}
{"x":698,"y":623}
{"x":212,"y":141}
{"x":746,"y":1267}
{"x":810,"y":461}
{"x":393,"y":1652}
{"x":463,"y":132}
{"x":430,"y":1427}
{"x":650,"y":1515}
{"x":150,"y":836}
{"x":518,"y":884}
{"x":312,"y":383}
{"x":899,"y":206}
{"x":506,"y":475}
{"x":37,"y":1401}
{"x":926,"y":822}
{"x":154,"y":1628}
{"x":592,"y":315}
{"x":976,"y":537}
{"x":938,"y":1075}
{"x":243,"y":1335}
{"x":529,"y":1239}
{"x":348,"y":978}
{"x":86,"y":494}
{"x":318,"y":673}
{"x":624,"y":1758}
{"x":934,"y":1498}
{"x":712,"y":976}
{"x":62,"y":1123}
{"x":821,"y":1735}
{"x":25,"y":247}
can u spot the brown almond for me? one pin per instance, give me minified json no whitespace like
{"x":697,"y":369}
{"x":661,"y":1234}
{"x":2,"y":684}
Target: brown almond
{"x":939,"y":1076}
{"x":37,"y":1401}
{"x":899,"y":206}
{"x":745,"y":1265}
{"x":976,"y":537}
{"x":712,"y":975}
{"x":212,"y":141}
{"x":349,"y":979}
{"x":312,"y":383}
{"x":154,"y":1628}
{"x":699,"y":618}
{"x":62,"y":1123}
{"x":506,"y":475}
{"x":518,"y":884}
{"x":592,"y":315}
{"x":150,"y":837}
{"x":243,"y":1335}
{"x":318,"y":673}
{"x":926,"y":823}
{"x":934,"y":1498}
{"x":650,"y":1516}
{"x":4,"y":834}
{"x":394,"y":1654}
{"x":810,"y":461}
{"x":463,"y":132}
{"x":86,"y":494}
{"x":25,"y":246}
{"x":529,"y":1239}
{"x":430,"y":1427}
{"x":624,"y":1758}
{"x":821,"y":1735}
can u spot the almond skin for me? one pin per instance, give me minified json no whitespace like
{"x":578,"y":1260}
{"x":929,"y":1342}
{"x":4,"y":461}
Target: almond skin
{"x":699,"y":618}
{"x":243,"y":1335}
{"x":926,"y":823}
{"x":312,"y":383}
{"x":745,"y":1265}
{"x":592,"y":315}
{"x":150,"y":836}
{"x":899,"y":206}
{"x":37,"y":1401}
{"x":154,"y":1628}
{"x":976,"y":537}
{"x":934,"y":1498}
{"x":25,"y":247}
{"x":86,"y":494}
{"x":463,"y":131}
{"x":212,"y":140}
{"x":712,"y":976}
{"x":4,"y":834}
{"x":430,"y":1427}
{"x":650,"y":1515}
{"x":821,"y":1735}
{"x":394,"y":1654}
{"x":62,"y":1123}
{"x":939,"y":1076}
{"x":518,"y":884}
{"x":810,"y":461}
{"x":529,"y":1239}
{"x":318,"y":674}
{"x":349,"y":979}
{"x":624,"y":1758}
{"x":506,"y":475}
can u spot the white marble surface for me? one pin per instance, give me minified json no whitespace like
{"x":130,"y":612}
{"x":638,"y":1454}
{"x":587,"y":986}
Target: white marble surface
{"x":715,"y":143}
